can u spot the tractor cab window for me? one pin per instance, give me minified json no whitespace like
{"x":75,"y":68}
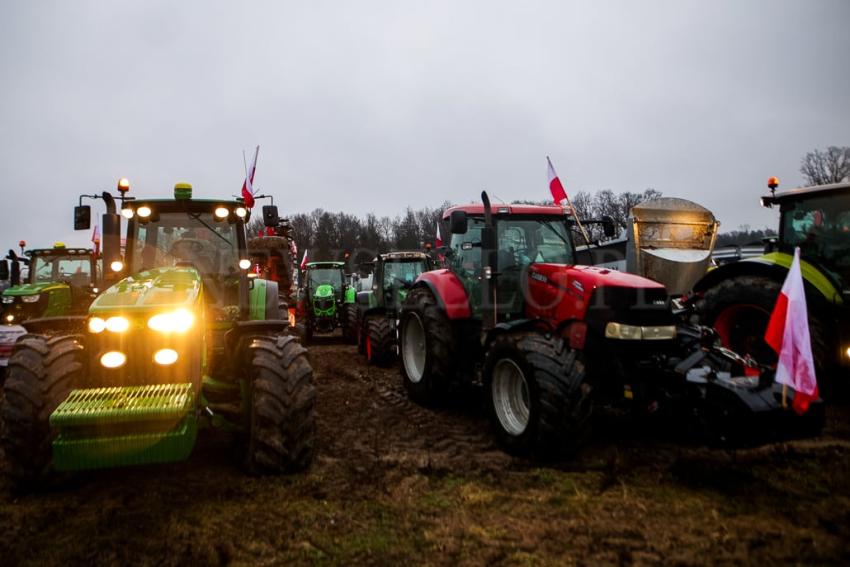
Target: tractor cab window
{"x":331,"y":276}
{"x":466,"y":249}
{"x":180,"y":238}
{"x":821,"y":228}
{"x":527,"y":241}
{"x":400,"y":273}
{"x":50,"y":268}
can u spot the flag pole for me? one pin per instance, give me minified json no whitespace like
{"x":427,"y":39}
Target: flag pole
{"x":578,"y":221}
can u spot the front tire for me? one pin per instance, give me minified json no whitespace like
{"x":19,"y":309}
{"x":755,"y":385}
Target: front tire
{"x":428,"y":348}
{"x":379,"y":340}
{"x":281,"y":426}
{"x":42,"y":371}
{"x":350,"y":322}
{"x":536,"y":395}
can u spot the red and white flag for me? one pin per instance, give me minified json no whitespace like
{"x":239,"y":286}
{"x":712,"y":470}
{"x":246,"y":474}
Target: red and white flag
{"x":788,"y":334}
{"x":555,"y":187}
{"x":438,"y":241}
{"x":95,"y":238}
{"x":248,"y":184}
{"x":304,"y":261}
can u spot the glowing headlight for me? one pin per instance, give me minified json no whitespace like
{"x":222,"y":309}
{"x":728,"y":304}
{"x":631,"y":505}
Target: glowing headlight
{"x":30,"y":298}
{"x":117,"y":266}
{"x":165,"y":356}
{"x":113,"y":359}
{"x":241,"y":212}
{"x":127,"y":213}
{"x":10,"y":318}
{"x":847,"y":352}
{"x":221,"y":212}
{"x":244,"y":263}
{"x":143,"y":212}
{"x":117,"y":324}
{"x":175,"y":322}
{"x":97,"y":325}
{"x":8,"y":299}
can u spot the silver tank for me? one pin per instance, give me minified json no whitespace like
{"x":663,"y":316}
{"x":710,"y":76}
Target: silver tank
{"x":670,"y":240}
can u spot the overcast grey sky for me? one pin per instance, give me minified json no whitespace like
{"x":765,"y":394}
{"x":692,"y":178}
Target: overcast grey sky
{"x":374,"y":106}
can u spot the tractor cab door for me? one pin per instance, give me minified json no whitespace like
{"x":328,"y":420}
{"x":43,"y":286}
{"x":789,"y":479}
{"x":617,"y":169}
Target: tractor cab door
{"x":465,"y":260}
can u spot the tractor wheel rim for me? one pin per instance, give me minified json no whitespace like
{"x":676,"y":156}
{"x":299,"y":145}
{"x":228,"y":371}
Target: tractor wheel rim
{"x":414,"y":348}
{"x":511,"y":399}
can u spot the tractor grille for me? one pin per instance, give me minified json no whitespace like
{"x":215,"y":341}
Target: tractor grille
{"x":632,"y":306}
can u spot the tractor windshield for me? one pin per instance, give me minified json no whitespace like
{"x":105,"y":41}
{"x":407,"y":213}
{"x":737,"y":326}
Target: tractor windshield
{"x":821,"y":228}
{"x":397,"y":272}
{"x":53,"y":268}
{"x":181,"y":238}
{"x":332,"y":276}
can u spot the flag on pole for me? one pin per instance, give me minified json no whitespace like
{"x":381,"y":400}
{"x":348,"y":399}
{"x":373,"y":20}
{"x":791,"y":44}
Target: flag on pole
{"x":555,"y":187}
{"x":304,"y":261}
{"x":788,"y":334}
{"x":248,"y":184}
{"x":438,"y":241}
{"x":95,"y":238}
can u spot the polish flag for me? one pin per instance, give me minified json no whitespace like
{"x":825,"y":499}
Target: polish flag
{"x":438,"y":241}
{"x":248,"y":184}
{"x":555,"y":187}
{"x":304,"y":261}
{"x":95,"y":238}
{"x":788,"y":334}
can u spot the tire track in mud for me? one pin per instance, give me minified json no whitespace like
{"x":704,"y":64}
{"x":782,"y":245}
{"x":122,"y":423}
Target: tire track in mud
{"x":369,"y":421}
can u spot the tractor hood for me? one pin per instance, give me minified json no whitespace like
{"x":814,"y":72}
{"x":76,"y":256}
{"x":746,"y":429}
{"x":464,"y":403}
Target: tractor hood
{"x":151,"y":290}
{"x":32,"y":289}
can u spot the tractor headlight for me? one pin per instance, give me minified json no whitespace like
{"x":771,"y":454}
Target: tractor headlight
{"x":165,"y":356}
{"x":96,"y":325}
{"x":10,"y":318}
{"x":113,"y":359}
{"x":221,"y":212}
{"x":117,"y":324}
{"x":116,"y":266}
{"x":178,"y":321}
{"x":244,"y":263}
{"x":8,"y":299}
{"x":625,"y":332}
{"x":30,"y":298}
{"x":241,"y":212}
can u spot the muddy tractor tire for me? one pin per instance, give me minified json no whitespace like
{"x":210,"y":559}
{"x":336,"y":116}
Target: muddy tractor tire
{"x":428,"y":348}
{"x":739,"y":309}
{"x":380,"y":340}
{"x":281,"y":428}
{"x":535,"y":395}
{"x":42,"y":372}
{"x":350,"y":322}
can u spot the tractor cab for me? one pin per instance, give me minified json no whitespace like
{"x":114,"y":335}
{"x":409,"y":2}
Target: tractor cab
{"x":817,"y":219}
{"x":321,"y":298}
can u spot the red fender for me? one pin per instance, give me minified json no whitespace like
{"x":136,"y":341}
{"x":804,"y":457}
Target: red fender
{"x":449,"y":291}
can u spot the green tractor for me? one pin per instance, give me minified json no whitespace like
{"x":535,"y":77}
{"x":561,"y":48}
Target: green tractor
{"x":182,"y":339}
{"x":321,"y":299}
{"x":738,"y":298}
{"x":378,"y":308}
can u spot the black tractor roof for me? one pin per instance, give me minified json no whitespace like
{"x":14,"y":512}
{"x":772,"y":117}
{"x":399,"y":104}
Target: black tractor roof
{"x":806,"y":193}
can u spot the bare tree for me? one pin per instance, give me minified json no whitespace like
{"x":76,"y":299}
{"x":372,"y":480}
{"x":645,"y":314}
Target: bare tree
{"x":830,"y":166}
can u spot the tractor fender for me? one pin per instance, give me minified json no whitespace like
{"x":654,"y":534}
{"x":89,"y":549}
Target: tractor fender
{"x":263,"y":300}
{"x":774,"y":266}
{"x":248,"y":328}
{"x":448,"y":290}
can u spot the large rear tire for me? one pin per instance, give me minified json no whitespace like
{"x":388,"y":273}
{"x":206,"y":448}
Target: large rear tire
{"x":739,"y":309}
{"x":536,"y":396}
{"x":380,"y":340}
{"x":42,"y":371}
{"x":281,"y":427}
{"x":428,"y":348}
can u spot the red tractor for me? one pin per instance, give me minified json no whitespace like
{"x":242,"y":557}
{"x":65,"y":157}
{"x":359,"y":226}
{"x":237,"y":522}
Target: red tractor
{"x":548,"y":339}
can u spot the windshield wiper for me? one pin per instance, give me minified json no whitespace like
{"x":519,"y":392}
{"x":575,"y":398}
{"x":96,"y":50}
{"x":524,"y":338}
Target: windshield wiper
{"x":197,"y":217}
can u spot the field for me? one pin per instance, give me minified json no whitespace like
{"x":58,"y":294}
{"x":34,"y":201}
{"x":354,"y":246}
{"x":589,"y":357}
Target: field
{"x":394,"y":483}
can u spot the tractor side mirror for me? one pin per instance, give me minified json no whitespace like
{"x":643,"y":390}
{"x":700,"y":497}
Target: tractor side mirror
{"x":82,"y":217}
{"x":608,"y":227}
{"x":270,"y":217}
{"x":458,"y":222}
{"x":4,"y":270}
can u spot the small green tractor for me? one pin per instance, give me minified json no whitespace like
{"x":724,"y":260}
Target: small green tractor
{"x":321,"y":299}
{"x":181,"y":339}
{"x":61,"y":281}
{"x":738,"y":298}
{"x":378,"y":308}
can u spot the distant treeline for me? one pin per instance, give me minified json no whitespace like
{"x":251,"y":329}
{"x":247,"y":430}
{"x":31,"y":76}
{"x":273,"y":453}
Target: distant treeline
{"x":329,"y":236}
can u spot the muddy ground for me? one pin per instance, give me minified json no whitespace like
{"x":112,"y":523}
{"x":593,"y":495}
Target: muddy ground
{"x":394,"y":483}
